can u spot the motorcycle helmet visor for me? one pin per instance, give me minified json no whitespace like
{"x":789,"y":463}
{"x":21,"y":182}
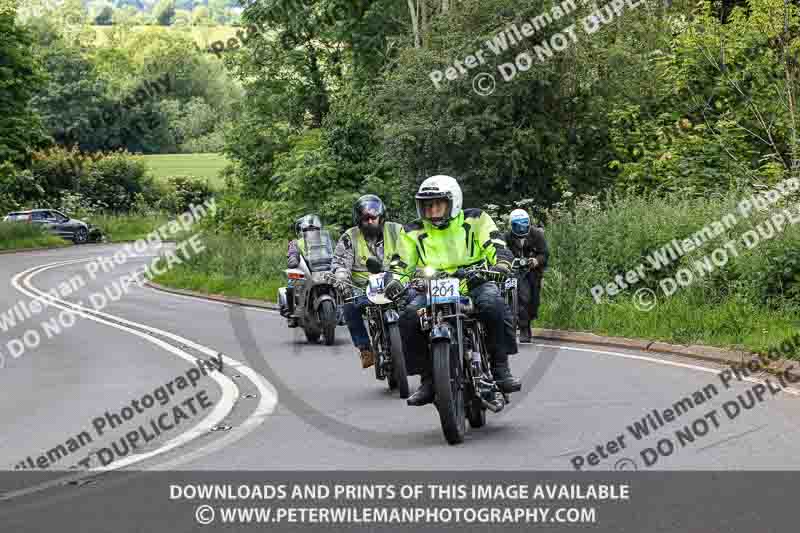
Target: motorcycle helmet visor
{"x":435,"y":209}
{"x":520,"y":226}
{"x":371,"y":209}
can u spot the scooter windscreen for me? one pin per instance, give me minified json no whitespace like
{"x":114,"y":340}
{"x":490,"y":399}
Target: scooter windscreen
{"x":319,"y":250}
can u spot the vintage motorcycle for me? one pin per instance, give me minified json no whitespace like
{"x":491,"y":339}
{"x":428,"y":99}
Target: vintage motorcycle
{"x":385,"y":293}
{"x":315,"y":297}
{"x":510,"y":287}
{"x":462,"y":374}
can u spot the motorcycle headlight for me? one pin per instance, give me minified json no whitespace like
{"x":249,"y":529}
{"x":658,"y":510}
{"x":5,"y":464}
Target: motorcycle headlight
{"x":429,"y":271}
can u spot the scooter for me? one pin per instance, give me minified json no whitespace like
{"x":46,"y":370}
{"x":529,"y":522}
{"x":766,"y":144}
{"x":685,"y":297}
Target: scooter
{"x":315,"y":298}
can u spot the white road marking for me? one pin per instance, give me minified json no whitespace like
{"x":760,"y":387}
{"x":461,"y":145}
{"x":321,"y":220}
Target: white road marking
{"x":230,"y":392}
{"x":789,"y":390}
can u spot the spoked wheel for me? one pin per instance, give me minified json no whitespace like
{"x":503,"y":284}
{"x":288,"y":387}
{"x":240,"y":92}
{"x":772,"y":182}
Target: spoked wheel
{"x":448,"y":383}
{"x":476,"y":414}
{"x":513,"y":305}
{"x":515,"y":308}
{"x":379,"y":373}
{"x":399,"y":376}
{"x":328,"y":320}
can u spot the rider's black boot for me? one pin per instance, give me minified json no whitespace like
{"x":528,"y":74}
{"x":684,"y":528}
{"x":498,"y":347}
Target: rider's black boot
{"x":502,"y":375}
{"x":424,"y":394}
{"x":525,"y":334}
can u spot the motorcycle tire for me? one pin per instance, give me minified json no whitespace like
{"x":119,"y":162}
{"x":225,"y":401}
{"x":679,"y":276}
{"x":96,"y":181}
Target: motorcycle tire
{"x":399,"y":377}
{"x":449,"y":401}
{"x":311,"y":335}
{"x":328,"y":320}
{"x":476,"y":414}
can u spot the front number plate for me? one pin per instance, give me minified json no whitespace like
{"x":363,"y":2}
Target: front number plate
{"x":375,"y":284}
{"x":444,"y":290}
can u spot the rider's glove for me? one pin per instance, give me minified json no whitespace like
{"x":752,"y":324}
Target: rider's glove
{"x":533,"y":263}
{"x":394,"y":290}
{"x":502,"y":268}
{"x":474,"y":279}
{"x":340,"y":282}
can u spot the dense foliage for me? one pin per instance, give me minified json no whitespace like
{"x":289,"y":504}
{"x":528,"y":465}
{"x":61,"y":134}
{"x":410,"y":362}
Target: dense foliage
{"x":678,"y":97}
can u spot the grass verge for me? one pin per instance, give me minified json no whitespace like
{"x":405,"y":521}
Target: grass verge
{"x":119,"y":228}
{"x":21,"y":236}
{"x":231,"y":266}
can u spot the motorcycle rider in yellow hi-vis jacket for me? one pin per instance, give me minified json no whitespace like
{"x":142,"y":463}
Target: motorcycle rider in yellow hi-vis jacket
{"x":446,"y":237}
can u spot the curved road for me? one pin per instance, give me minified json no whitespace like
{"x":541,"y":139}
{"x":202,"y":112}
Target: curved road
{"x":282,"y":404}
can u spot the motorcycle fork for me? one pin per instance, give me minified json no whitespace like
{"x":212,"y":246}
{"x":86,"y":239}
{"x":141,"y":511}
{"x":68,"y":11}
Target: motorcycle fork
{"x":376,"y":330}
{"x":485,"y":379}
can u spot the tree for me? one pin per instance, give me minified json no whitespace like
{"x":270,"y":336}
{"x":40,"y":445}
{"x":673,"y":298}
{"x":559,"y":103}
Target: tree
{"x":165,"y":12}
{"x":20,"y":79}
{"x":105,"y":17}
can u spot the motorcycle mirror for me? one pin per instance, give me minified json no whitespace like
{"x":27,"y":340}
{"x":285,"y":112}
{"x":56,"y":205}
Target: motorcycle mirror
{"x":374,"y":266}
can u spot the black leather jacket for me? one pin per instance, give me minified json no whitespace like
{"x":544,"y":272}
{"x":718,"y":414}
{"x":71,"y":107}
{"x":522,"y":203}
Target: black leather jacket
{"x":532,"y":245}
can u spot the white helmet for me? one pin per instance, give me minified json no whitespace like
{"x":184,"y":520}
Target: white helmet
{"x":520,"y":222}
{"x":440,"y":187}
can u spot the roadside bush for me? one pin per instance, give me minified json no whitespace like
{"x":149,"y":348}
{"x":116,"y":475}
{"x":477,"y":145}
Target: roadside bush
{"x":77,"y":205}
{"x":115,"y":179}
{"x":60,"y":169}
{"x":623,"y":235}
{"x":104,"y":180}
{"x":183,"y":191}
{"x":18,"y":188}
{"x":250,"y":218}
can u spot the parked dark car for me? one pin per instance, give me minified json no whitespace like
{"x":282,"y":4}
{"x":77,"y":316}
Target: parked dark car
{"x":59,"y":224}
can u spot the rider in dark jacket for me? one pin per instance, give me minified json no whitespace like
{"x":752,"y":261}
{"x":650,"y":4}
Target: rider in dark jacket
{"x":528,"y":242}
{"x":296,"y":249}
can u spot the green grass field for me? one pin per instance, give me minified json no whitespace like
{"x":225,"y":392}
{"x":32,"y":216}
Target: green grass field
{"x":204,"y":166}
{"x":202,"y":35}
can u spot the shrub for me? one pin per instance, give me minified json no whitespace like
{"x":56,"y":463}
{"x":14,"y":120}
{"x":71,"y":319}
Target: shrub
{"x":105,"y":180}
{"x":115,"y":179}
{"x":183,"y":191}
{"x":18,"y":187}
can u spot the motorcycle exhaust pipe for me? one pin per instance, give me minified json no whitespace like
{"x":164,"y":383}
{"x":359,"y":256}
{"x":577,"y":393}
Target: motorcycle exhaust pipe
{"x":494,"y":406}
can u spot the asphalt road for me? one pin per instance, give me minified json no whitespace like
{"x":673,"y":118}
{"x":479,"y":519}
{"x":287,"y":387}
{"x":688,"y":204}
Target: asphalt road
{"x":282,"y":404}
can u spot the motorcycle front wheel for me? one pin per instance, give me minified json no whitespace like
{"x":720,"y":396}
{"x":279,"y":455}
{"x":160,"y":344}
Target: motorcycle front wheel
{"x":447,"y":381}
{"x":328,"y":320}
{"x":398,"y":361}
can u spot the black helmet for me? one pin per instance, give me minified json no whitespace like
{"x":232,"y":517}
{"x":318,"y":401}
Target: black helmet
{"x":369,"y":205}
{"x":306,"y":223}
